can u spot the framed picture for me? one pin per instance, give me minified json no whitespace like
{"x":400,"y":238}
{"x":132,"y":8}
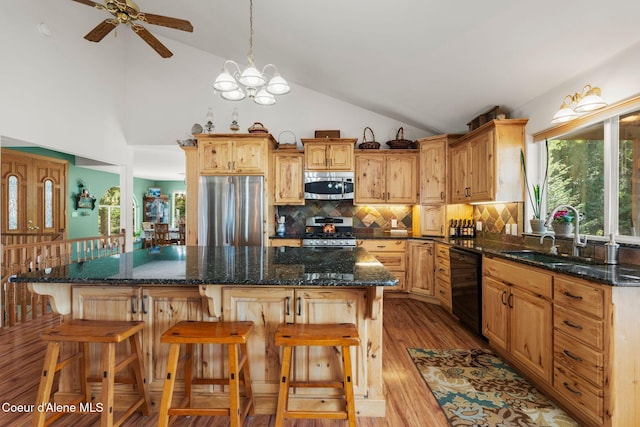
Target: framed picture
{"x":154,"y":192}
{"x":85,"y":202}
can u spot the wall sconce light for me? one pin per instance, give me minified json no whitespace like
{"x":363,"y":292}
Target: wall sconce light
{"x":590,"y":99}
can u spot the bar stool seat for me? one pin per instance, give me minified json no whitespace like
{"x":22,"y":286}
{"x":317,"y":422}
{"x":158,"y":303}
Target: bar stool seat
{"x":232,"y":334}
{"x":108,"y":334}
{"x":343,"y":335}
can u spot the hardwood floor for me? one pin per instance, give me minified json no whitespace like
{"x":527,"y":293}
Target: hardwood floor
{"x":407,"y":323}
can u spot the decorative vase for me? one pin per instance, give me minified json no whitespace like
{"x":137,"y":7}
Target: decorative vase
{"x":562,"y":228}
{"x":537,"y":226}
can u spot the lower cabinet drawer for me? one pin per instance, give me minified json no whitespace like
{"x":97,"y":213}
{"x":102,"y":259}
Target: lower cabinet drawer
{"x":578,"y":358}
{"x":383,"y":245}
{"x":580,"y":393}
{"x":443,"y":292}
{"x":391,"y":260}
{"x":585,"y":329}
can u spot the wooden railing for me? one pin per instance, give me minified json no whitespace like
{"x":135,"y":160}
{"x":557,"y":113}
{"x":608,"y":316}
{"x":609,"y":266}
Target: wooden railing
{"x":18,"y":304}
{"x":21,"y":238}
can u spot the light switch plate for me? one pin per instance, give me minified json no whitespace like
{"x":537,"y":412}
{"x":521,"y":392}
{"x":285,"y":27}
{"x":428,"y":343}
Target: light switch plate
{"x":479,"y":226}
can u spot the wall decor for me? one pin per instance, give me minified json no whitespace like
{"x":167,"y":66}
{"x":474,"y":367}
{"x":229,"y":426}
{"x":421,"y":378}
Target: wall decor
{"x":84,"y":199}
{"x":154,"y":192}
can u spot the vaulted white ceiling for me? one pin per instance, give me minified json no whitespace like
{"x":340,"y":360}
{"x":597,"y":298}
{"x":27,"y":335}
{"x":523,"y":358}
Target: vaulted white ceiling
{"x":431,"y":64}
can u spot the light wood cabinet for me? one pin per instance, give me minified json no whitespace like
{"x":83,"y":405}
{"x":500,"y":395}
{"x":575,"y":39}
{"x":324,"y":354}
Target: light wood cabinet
{"x":433,"y":220}
{"x":233,"y":154}
{"x":443,"y":276}
{"x":328,"y":154}
{"x":580,"y":332}
{"x":159,"y":307}
{"x":386,"y":178}
{"x":267,"y":308}
{"x":295,"y":243}
{"x":392,"y":254}
{"x":433,"y":168}
{"x":517,"y":314}
{"x":420,"y":274}
{"x":481,"y":163}
{"x":288,"y":180}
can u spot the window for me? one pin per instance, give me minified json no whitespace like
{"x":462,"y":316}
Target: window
{"x":48,"y":204}
{"x":179,"y":207}
{"x":576,"y":176}
{"x":596,"y":169}
{"x":109,"y":212}
{"x":13,"y":202}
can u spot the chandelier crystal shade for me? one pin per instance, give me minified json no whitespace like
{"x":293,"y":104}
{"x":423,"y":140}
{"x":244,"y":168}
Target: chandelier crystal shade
{"x":573,"y":105}
{"x":235,"y":84}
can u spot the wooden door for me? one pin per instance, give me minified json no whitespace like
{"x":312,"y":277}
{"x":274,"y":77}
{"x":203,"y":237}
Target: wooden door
{"x":370,"y":179}
{"x":215,"y":156}
{"x":458,"y":164}
{"x":288,"y":179}
{"x":432,"y":220}
{"x":495,"y":312}
{"x":321,"y":363}
{"x":433,"y":172}
{"x":266,"y":308}
{"x":531,"y":336}
{"x":250,"y":156}
{"x":482,"y":166}
{"x":402,"y":179}
{"x":34,"y":194}
{"x":315,"y":156}
{"x":421,"y":268}
{"x":340,"y":156}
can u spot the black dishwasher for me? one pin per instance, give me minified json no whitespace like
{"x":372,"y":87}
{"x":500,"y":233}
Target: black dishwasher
{"x":466,"y":288}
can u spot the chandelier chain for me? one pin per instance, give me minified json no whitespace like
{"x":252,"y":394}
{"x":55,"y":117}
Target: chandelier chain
{"x":250,"y":32}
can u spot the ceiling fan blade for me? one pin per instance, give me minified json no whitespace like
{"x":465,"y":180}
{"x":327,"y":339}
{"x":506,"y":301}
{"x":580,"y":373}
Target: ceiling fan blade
{"x":91,"y":3}
{"x":166,"y":21}
{"x":101,"y":30}
{"x":151,"y":41}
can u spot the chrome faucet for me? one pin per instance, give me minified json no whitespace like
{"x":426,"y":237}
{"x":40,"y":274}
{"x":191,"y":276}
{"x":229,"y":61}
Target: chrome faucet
{"x":577,"y":242}
{"x":553,"y":250}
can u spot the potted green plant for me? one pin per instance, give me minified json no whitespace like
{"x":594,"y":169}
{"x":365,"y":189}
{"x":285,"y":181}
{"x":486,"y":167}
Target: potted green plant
{"x":563,"y":222}
{"x":536,"y":192}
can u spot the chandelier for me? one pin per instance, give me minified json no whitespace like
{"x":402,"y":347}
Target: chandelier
{"x":590,"y":99}
{"x":235,"y":85}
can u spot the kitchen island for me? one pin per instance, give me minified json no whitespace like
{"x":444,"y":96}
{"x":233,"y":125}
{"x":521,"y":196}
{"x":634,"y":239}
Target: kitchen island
{"x":266,"y":285}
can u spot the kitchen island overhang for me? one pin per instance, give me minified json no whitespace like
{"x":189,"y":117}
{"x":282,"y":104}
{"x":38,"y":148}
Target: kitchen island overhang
{"x":267,"y":285}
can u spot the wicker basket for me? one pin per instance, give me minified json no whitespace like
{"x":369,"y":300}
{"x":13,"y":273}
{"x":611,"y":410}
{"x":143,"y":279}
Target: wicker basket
{"x":400,"y":142}
{"x":368,"y":145}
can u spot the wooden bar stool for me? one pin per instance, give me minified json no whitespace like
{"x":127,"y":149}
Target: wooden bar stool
{"x":232,"y":334}
{"x":107,"y":333}
{"x":342,"y":335}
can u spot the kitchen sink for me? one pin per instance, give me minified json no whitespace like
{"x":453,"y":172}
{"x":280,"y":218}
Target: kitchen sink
{"x":543,"y":258}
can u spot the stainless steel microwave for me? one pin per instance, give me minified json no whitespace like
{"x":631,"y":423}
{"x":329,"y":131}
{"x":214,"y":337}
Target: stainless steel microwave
{"x":329,"y":185}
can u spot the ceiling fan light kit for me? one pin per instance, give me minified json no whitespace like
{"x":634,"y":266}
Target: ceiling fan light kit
{"x":235,"y":84}
{"x":590,"y":99}
{"x":127,"y":12}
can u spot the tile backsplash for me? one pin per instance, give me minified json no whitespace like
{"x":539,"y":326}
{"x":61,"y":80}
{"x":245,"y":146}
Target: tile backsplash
{"x":496,"y":216}
{"x":370,"y":217}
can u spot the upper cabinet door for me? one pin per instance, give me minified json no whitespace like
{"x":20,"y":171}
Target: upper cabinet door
{"x":288,"y":179}
{"x":402,"y":179}
{"x":370,"y":179}
{"x":328,"y":154}
{"x":458,"y":167}
{"x":250,"y":156}
{"x":482,"y":167}
{"x":433,"y":172}
{"x":315,"y":157}
{"x":215,"y":156}
{"x":340,"y":156}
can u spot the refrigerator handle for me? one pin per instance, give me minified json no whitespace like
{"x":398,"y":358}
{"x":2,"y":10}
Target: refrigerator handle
{"x":231,"y":217}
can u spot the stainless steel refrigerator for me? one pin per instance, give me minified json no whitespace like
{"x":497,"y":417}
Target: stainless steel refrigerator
{"x":230,"y":210}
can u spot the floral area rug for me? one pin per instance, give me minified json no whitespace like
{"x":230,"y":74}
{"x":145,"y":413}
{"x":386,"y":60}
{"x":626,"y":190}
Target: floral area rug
{"x":476,"y":388}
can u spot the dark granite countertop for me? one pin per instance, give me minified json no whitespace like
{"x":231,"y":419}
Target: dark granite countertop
{"x":612,"y":275}
{"x":251,"y":265}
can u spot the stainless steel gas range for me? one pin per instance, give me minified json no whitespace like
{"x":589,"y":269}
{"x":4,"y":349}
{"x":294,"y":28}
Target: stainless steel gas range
{"x":326,"y":232}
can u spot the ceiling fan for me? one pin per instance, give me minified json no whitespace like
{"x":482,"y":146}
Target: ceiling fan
{"x":127,"y":12}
